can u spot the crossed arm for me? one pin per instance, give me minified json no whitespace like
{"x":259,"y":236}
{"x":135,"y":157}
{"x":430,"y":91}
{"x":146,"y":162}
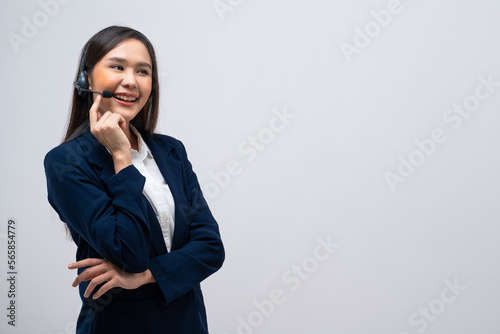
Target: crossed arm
{"x":103,"y":270}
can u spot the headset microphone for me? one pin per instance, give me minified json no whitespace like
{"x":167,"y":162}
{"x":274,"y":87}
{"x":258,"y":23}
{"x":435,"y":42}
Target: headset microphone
{"x":105,"y":93}
{"x":82,"y":83}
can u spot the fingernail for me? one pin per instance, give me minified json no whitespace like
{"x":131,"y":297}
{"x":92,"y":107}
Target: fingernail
{"x":71,"y":265}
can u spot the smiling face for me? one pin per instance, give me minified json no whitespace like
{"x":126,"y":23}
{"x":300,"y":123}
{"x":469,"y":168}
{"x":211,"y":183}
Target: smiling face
{"x":126,"y":71}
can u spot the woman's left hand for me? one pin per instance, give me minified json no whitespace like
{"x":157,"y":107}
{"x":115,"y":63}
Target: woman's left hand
{"x":102,"y":270}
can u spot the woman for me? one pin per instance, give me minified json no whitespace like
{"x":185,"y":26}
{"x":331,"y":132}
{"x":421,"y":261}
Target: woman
{"x":130,"y":199}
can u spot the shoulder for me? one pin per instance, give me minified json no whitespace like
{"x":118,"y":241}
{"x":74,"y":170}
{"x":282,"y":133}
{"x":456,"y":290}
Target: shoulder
{"x":62,"y":152}
{"x":83,"y":145}
{"x":77,"y":153}
{"x":170,"y":144}
{"x":165,"y":138}
{"x":59,"y":162}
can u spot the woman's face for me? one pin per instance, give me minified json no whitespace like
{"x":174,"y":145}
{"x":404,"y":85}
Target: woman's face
{"x":126,"y":71}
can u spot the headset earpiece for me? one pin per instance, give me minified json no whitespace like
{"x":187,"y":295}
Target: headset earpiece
{"x":82,"y":82}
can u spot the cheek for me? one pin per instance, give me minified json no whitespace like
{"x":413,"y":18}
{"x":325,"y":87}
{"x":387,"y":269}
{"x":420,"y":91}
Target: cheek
{"x":102,"y":79}
{"x":147,"y":90}
{"x":146,"y":87}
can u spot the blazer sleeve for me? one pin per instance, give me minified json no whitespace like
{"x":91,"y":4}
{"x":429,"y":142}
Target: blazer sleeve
{"x":184,"y":268}
{"x":109,"y":215}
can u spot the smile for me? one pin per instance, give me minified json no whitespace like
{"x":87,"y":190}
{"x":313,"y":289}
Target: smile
{"x":125,"y":98}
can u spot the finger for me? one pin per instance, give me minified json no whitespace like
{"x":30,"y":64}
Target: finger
{"x":112,"y":120}
{"x":103,"y":289}
{"x":109,"y":121}
{"x":85,"y":263}
{"x":94,"y":271}
{"x":95,"y":282}
{"x":105,"y":116}
{"x":93,"y":112}
{"x":85,"y":275}
{"x":122,"y":123}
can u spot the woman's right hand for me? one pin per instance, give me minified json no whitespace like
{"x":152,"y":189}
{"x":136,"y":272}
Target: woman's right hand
{"x":109,"y":131}
{"x":108,"y":128}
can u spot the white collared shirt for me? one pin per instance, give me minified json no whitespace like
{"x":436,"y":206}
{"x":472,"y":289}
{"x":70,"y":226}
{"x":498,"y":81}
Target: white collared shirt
{"x":156,"y":188}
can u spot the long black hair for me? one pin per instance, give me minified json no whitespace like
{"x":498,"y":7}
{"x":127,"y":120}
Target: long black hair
{"x":97,"y":47}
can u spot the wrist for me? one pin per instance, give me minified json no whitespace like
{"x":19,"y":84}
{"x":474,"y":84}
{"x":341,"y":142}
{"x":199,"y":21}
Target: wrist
{"x":121,"y":154}
{"x":148,"y":277}
{"x":121,"y":160}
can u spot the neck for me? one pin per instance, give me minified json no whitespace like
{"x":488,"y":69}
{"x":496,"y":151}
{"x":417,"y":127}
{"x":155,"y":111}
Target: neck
{"x":132,"y":138}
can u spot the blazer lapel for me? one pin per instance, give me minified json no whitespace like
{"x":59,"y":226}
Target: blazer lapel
{"x":172,"y":170}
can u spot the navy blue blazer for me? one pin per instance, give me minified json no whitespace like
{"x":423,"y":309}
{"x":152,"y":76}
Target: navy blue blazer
{"x":109,"y":217}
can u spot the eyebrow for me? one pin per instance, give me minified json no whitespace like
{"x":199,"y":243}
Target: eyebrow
{"x":121,"y":60}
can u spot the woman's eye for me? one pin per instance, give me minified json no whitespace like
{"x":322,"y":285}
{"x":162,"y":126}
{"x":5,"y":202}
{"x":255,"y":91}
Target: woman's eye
{"x":144,"y":72}
{"x":117,"y":67}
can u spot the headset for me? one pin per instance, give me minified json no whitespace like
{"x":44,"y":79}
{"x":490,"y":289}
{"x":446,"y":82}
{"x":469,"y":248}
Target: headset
{"x":82,"y":83}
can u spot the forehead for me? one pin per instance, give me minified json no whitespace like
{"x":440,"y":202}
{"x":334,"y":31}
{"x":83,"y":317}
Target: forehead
{"x":131,"y":50}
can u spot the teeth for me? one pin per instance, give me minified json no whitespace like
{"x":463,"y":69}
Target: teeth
{"x":126,"y":98}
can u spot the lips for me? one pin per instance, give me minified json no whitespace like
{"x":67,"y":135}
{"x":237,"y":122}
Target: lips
{"x":125,"y":97}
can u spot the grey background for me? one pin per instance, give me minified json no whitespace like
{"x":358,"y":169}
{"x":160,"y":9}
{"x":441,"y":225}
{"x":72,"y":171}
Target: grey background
{"x":225,"y":74}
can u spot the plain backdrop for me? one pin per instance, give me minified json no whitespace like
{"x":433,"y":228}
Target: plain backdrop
{"x":348,"y":150}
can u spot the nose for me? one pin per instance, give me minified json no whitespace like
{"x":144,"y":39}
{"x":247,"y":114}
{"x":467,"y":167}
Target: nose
{"x":129,"y":81}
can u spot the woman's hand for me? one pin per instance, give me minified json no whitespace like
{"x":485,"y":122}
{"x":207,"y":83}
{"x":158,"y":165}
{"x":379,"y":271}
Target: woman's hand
{"x":109,"y":131}
{"x":108,"y":128}
{"x":102,"y":270}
